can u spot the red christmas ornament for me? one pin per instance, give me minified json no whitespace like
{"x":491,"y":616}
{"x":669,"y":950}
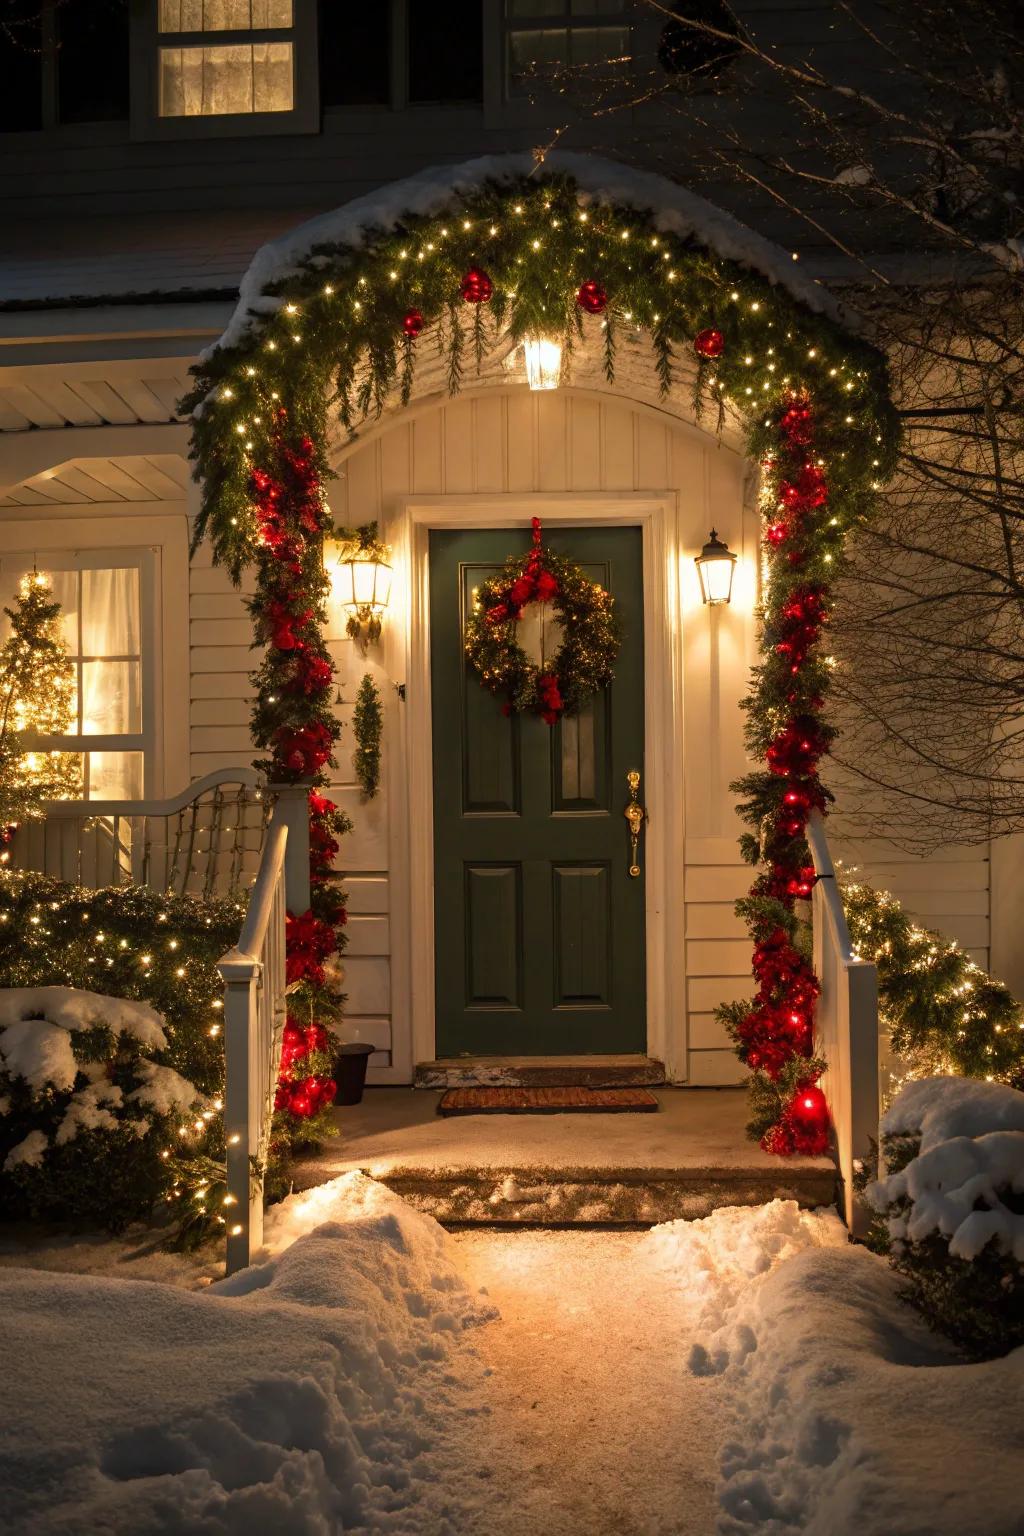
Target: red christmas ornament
{"x":709,"y":343}
{"x":413,"y":323}
{"x":592,"y":297}
{"x":807,"y":1118}
{"x":477,"y":287}
{"x":797,"y":422}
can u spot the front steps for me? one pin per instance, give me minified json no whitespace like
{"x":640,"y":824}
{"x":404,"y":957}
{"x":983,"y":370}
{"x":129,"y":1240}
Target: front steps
{"x":594,"y":1170}
{"x":540,"y":1072}
{"x":596,"y":1197}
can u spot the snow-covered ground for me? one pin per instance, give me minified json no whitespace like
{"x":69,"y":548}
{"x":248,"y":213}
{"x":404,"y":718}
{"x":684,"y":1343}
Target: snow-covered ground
{"x":749,"y":1373}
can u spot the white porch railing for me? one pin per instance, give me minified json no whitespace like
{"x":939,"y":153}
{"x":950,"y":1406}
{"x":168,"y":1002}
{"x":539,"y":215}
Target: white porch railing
{"x":847,"y":1025}
{"x":255,"y":1006}
{"x":254,"y":1013}
{"x":206,"y":841}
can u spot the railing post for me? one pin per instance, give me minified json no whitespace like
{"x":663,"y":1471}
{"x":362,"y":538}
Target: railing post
{"x":862,"y":980}
{"x":244,"y":1213}
{"x":291,"y":805}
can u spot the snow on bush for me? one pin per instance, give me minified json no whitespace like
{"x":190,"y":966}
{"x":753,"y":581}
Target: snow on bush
{"x":953,"y":1207}
{"x":313,"y":1393}
{"x":89,"y":1118}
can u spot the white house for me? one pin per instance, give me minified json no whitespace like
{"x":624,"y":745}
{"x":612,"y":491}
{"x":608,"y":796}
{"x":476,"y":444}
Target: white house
{"x":103,"y":309}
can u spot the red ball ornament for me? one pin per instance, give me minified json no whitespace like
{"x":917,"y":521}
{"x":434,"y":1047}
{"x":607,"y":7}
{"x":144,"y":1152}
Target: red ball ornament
{"x":412,"y":324}
{"x":476,"y":286}
{"x":592,"y":297}
{"x":296,"y":761}
{"x":709,"y":343}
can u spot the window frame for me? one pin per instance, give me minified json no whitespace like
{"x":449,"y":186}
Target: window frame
{"x":502,"y":110}
{"x":145,"y":122}
{"x":147,"y":740}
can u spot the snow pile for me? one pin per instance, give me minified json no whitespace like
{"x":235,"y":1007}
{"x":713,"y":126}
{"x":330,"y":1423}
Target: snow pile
{"x":676,"y":212}
{"x":712,"y":1261}
{"x":850,"y":1415}
{"x":309,"y":1394}
{"x":966,"y":1181}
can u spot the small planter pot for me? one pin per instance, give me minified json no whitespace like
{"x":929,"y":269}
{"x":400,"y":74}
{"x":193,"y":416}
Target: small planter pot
{"x":350,"y":1071}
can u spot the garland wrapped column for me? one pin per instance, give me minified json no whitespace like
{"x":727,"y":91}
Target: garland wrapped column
{"x":788,"y":732}
{"x":294,"y":723}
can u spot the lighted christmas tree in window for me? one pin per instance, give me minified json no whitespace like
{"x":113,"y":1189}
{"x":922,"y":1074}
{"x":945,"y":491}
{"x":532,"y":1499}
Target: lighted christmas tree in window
{"x":37,"y":701}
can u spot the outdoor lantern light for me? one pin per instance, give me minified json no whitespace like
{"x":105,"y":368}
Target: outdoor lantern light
{"x":362,"y":583}
{"x":543,"y":362}
{"x":716,"y":564}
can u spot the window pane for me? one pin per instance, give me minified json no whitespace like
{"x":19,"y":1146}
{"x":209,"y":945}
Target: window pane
{"x":223,"y":15}
{"x":111,"y":698}
{"x":597,"y":7}
{"x":355,"y":55}
{"x":110,"y":612}
{"x":596,"y":45}
{"x":210,"y":82}
{"x":21,"y":66}
{"x":536,"y":52}
{"x":533,"y":8}
{"x":115,"y":775}
{"x":92,"y":62}
{"x":446,"y":63}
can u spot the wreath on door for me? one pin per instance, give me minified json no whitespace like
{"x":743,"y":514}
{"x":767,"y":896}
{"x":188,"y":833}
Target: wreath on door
{"x":542,"y":634}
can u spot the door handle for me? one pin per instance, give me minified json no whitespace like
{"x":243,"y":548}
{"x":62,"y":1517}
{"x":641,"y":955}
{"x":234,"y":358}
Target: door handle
{"x":636,"y":816}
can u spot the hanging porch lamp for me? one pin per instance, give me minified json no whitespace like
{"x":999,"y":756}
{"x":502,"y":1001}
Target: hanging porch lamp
{"x":543,"y":358}
{"x":716,"y":566}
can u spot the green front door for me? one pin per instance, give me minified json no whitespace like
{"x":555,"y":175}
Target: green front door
{"x":539,"y":928}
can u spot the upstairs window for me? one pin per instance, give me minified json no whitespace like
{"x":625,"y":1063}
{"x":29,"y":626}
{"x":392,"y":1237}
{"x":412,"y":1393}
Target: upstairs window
{"x":63,"y":61}
{"x":544,"y":37}
{"x":406,"y":52}
{"x":225,"y":67}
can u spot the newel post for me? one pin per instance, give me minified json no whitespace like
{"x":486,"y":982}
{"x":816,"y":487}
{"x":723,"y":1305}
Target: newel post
{"x":291,"y":805}
{"x":244,"y":1211}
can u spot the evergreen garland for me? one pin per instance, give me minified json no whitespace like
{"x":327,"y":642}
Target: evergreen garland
{"x":943,"y":1013}
{"x":367,"y":719}
{"x":337,"y":336}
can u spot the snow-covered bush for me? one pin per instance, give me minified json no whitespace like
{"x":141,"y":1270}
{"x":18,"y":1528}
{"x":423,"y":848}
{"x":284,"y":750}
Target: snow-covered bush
{"x":111,"y":1054}
{"x":88,"y":1114}
{"x":952,"y":1200}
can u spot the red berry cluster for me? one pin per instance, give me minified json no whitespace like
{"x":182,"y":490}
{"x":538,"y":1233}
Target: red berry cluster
{"x":300,"y":1090}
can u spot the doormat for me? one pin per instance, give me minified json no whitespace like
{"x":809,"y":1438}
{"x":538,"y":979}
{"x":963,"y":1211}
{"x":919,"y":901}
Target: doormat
{"x":547,"y":1101}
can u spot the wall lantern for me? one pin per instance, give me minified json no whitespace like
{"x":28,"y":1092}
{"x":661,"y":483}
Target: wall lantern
{"x":543,"y":362}
{"x":716,"y":565}
{"x":362,"y":582}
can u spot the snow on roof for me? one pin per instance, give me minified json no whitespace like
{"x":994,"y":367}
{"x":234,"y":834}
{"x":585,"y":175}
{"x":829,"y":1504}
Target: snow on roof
{"x":676,"y":211}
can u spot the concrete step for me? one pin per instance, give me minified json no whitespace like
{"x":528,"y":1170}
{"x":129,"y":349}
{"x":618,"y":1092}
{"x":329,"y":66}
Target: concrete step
{"x":540,"y":1072}
{"x":597,"y":1197}
{"x":606,"y":1170}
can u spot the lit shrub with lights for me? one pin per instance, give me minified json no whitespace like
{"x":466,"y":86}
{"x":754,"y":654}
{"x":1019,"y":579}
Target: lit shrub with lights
{"x":942,"y":1012}
{"x":111,"y":1094}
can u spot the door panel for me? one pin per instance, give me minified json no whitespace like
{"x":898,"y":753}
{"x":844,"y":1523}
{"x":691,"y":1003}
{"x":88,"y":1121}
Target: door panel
{"x":539,"y":930}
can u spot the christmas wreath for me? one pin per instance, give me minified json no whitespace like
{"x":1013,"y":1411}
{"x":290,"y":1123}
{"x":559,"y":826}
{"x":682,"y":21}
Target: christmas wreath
{"x":584,"y":613}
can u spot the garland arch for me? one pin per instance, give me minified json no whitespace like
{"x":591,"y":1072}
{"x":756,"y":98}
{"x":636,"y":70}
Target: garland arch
{"x":329,"y":329}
